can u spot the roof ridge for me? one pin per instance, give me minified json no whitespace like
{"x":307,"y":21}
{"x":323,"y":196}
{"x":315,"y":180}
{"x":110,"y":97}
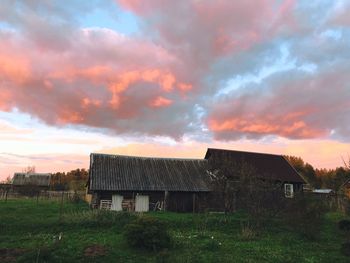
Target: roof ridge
{"x":148,"y":157}
{"x":229,"y":150}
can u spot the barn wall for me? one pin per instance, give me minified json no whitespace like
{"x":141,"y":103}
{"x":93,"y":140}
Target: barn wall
{"x":176,"y":201}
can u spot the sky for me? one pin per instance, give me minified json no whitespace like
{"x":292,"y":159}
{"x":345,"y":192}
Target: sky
{"x":172,"y":78}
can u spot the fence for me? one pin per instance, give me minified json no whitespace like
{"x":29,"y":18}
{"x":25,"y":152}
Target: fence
{"x":6,"y":194}
{"x":340,"y":203}
{"x":335,"y":202}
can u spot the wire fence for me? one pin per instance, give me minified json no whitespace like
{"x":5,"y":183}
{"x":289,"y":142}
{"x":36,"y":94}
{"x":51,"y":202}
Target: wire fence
{"x":6,"y":194}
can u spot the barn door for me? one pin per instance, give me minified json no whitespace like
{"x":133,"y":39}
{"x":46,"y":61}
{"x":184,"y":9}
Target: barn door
{"x":142,"y":203}
{"x":117,"y":202}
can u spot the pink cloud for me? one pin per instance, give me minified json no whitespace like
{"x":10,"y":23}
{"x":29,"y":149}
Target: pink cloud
{"x":280,"y":108}
{"x":186,"y":51}
{"x":202,"y":30}
{"x":116,"y":81}
{"x":161,"y":102}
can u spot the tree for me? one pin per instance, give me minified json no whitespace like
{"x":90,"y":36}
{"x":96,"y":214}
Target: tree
{"x":306,"y":170}
{"x":224,"y":176}
{"x":29,"y":169}
{"x":242,"y":187}
{"x":73,"y":180}
{"x":8,"y":180}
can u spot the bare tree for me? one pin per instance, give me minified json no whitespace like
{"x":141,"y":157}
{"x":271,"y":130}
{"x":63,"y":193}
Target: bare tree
{"x":8,"y":180}
{"x":346,"y":164}
{"x":29,"y":169}
{"x":241,"y":187}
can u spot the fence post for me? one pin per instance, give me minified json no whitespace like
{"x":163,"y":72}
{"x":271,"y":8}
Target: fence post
{"x":61,"y":206}
{"x":37,"y":197}
{"x":6,"y":191}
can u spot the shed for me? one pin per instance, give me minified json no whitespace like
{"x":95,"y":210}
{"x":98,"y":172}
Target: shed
{"x":144,"y":183}
{"x":33,"y":179}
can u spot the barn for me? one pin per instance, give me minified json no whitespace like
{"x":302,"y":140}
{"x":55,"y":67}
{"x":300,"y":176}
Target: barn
{"x":267,"y":166}
{"x":141,"y":184}
{"x":41,"y":180}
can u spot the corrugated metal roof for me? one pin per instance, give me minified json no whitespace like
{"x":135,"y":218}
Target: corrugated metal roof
{"x":39,"y":179}
{"x":273,"y":166}
{"x":130,"y":173}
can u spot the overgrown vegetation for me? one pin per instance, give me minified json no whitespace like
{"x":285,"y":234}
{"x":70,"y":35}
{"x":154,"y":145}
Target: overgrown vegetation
{"x":305,"y":215}
{"x":31,"y":232}
{"x":240,"y":186}
{"x":147,"y":232}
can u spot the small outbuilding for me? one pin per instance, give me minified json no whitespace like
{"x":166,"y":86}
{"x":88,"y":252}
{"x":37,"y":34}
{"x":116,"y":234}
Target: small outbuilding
{"x":41,"y":180}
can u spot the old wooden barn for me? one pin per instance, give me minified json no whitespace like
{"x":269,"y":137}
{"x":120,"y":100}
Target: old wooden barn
{"x":142,"y":183}
{"x":271,"y":167}
{"x":41,"y":180}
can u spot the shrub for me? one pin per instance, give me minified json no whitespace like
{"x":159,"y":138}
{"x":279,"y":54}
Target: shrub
{"x":345,"y":248}
{"x":147,"y":233}
{"x":344,"y":225}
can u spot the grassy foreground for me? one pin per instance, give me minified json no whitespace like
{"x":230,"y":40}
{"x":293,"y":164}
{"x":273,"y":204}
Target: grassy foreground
{"x":31,"y":232}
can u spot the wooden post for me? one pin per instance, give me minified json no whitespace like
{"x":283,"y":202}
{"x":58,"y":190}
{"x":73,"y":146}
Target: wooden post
{"x":166,"y":196}
{"x":6,"y":192}
{"x":194,"y":202}
{"x":61,"y":206}
{"x":37,"y":197}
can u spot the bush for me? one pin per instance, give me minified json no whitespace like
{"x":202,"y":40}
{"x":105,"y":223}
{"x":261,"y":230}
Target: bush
{"x":344,"y":225}
{"x":147,"y":233}
{"x":345,"y":248}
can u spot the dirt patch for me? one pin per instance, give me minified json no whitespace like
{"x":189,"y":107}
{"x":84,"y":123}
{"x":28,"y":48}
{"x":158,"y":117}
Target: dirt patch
{"x":95,"y":251}
{"x":10,"y":254}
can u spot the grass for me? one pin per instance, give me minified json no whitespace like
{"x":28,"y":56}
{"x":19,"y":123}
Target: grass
{"x":29,"y":232}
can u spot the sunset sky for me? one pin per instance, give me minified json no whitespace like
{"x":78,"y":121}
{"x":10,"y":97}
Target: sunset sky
{"x":171,"y":78}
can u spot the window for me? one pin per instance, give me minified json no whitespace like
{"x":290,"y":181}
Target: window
{"x":288,"y":190}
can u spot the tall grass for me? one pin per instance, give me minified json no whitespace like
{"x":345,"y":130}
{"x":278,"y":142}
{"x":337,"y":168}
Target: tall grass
{"x":98,"y":218}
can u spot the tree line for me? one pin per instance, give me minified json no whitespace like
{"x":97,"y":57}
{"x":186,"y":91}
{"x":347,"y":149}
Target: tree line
{"x":321,"y":178}
{"x":73,"y":180}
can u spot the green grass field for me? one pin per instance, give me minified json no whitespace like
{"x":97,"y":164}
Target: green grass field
{"x":29,"y":232}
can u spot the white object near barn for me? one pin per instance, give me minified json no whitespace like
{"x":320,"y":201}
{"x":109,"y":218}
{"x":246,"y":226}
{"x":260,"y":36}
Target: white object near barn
{"x":142,"y":203}
{"x":117,"y":203}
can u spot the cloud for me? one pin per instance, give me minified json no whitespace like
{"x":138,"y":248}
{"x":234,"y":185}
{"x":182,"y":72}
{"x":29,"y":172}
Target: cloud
{"x":108,"y":86}
{"x":300,"y":106}
{"x":153,"y":83}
